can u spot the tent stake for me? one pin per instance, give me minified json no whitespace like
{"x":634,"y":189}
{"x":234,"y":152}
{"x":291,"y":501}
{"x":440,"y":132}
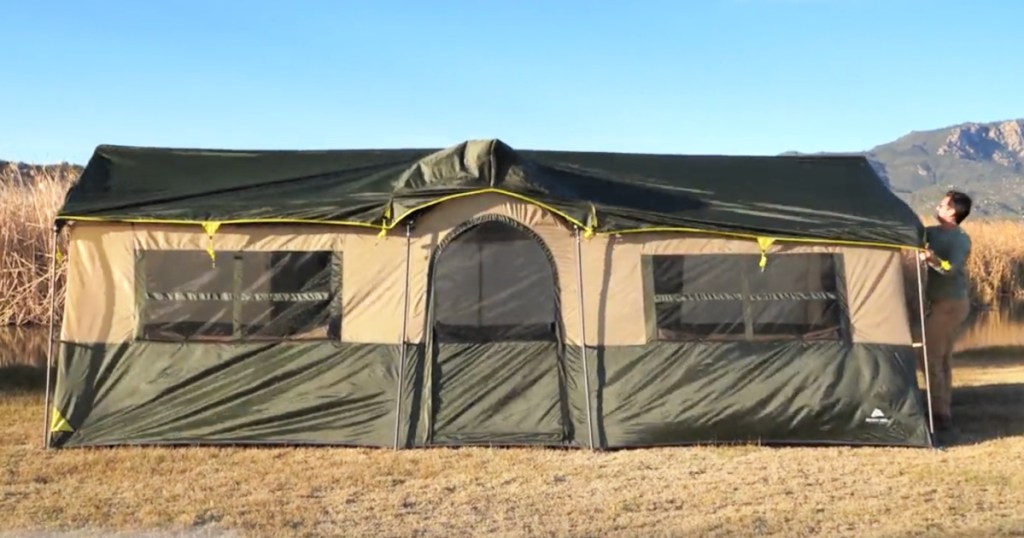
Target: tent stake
{"x":405,"y":322}
{"x":49,"y":347}
{"x":583,"y":337}
{"x":924,"y":344}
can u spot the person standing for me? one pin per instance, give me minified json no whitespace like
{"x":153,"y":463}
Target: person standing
{"x":947,"y":293}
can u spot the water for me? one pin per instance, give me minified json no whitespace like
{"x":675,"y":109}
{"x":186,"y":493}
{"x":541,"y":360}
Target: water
{"x":996,"y":330}
{"x":23,"y":346}
{"x":989,"y":331}
{"x":22,"y":359}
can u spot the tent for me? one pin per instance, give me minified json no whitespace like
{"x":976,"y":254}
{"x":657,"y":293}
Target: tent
{"x":479,"y":295}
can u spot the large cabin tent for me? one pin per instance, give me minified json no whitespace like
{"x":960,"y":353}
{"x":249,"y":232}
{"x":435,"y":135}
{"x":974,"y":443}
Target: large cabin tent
{"x":479,"y":295}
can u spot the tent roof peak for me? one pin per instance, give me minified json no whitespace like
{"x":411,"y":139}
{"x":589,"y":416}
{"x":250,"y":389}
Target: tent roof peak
{"x":475,"y":162}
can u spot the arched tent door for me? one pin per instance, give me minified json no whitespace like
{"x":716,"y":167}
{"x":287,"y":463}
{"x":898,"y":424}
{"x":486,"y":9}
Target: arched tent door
{"x":497,"y":365}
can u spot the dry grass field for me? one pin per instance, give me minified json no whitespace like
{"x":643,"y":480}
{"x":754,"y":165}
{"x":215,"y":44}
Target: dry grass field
{"x":974,"y":487}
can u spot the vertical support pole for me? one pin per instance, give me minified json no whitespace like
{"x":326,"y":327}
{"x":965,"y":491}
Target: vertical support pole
{"x":583,"y":338}
{"x":924,"y":343}
{"x":49,"y":347}
{"x":405,"y":325}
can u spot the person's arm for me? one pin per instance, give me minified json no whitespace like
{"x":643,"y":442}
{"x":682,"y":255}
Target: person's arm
{"x":957,"y":258}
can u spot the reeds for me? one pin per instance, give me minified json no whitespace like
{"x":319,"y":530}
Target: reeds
{"x":27,"y":210}
{"x":996,"y":265}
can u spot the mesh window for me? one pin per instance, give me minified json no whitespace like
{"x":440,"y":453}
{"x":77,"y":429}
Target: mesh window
{"x":177,"y":320}
{"x":245,"y":295}
{"x":493,"y":282}
{"x":727,"y":296}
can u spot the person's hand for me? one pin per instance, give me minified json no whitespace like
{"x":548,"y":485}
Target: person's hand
{"x":927,"y":255}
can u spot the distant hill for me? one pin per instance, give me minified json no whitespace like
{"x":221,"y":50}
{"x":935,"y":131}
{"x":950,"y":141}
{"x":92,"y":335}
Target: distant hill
{"x":984,"y":159}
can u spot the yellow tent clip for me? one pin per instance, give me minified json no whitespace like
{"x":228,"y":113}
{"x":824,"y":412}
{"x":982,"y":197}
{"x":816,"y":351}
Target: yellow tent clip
{"x":211,"y":228}
{"x":58,"y":423}
{"x":765,"y":243}
{"x":945,"y":265}
{"x":59,"y":255}
{"x":385,"y":222}
{"x":588,"y":230}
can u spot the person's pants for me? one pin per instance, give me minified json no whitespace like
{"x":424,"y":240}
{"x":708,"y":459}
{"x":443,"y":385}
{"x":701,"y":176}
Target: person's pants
{"x":942,"y":325}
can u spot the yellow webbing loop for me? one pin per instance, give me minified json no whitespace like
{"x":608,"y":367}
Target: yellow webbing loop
{"x":765,"y":243}
{"x":211,"y":228}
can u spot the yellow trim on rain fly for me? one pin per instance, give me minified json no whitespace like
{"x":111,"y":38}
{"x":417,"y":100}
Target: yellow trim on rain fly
{"x":136,"y":220}
{"x":740,"y":235}
{"x":450,"y":197}
{"x":387,"y":214}
{"x":589,"y":230}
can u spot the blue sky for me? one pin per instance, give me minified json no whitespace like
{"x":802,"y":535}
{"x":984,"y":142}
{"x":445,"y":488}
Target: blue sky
{"x":714,"y":76}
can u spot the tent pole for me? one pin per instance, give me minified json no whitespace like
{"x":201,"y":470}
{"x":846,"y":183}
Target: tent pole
{"x":49,"y":347}
{"x":583,"y":337}
{"x":924,"y":343}
{"x":405,"y":325}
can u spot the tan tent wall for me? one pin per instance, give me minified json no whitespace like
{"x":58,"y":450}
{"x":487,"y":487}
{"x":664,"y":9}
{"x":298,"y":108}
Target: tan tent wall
{"x":614,"y":284}
{"x":101,"y":303}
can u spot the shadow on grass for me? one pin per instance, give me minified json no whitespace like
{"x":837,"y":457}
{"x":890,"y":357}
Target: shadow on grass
{"x":22,"y":378}
{"x":990,"y":356}
{"x":986,"y":412}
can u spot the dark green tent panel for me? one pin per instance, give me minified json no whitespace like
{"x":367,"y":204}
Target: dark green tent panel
{"x":834,"y":198}
{"x":323,"y":394}
{"x":537,"y":298}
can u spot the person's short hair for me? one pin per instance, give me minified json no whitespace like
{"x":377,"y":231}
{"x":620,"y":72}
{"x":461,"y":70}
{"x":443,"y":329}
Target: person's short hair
{"x":961,"y":203}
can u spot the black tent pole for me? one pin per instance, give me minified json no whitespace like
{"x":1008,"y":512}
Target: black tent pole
{"x":402,"y":340}
{"x":49,"y":348}
{"x":583,"y":337}
{"x":924,"y":343}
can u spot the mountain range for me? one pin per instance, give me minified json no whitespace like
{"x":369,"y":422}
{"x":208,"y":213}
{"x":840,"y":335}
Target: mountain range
{"x":984,"y":159}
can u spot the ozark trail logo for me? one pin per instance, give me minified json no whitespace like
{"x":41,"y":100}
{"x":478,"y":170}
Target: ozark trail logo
{"x":878,"y":417}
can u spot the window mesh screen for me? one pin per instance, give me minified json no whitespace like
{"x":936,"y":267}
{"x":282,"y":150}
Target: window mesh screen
{"x":728,"y":296}
{"x":245,"y":295}
{"x":493,"y":282}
